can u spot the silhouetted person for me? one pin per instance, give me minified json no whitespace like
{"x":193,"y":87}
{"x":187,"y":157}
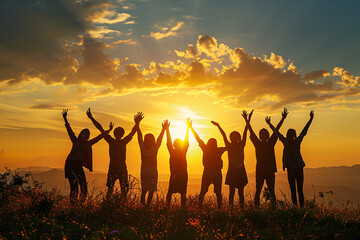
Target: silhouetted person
{"x":178,"y":166}
{"x":265,"y":158}
{"x":80,"y":155}
{"x":236,"y":176}
{"x":117,"y":152}
{"x":212,"y":167}
{"x":149,"y":173}
{"x":292,"y":159}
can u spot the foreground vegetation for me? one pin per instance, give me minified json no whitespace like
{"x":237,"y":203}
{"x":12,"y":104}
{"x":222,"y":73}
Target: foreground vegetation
{"x":28,"y":212}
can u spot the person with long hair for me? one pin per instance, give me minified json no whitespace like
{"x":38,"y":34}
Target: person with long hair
{"x":178,"y":166}
{"x":292,"y":159}
{"x":236,"y":176}
{"x":149,"y":174}
{"x":80,"y":156}
{"x":212,"y":167}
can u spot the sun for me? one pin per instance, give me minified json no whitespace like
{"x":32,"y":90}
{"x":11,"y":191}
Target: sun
{"x":178,"y":125}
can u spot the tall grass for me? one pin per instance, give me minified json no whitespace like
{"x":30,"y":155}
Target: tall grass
{"x":29,"y":212}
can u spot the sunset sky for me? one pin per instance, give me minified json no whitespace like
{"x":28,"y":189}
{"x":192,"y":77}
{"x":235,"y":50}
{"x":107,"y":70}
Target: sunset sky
{"x":207,"y":60}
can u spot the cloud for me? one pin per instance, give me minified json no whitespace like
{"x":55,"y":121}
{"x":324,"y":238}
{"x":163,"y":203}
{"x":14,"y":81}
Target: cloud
{"x":167,"y":32}
{"x":126,"y":41}
{"x":102,"y":31}
{"x":47,"y":106}
{"x":57,"y":42}
{"x":207,"y":45}
{"x":33,"y":44}
{"x":97,"y":67}
{"x":190,"y":52}
{"x":109,"y":16}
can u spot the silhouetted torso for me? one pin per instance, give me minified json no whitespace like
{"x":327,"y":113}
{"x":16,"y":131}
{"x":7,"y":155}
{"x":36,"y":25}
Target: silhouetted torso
{"x":149,"y":157}
{"x":236,"y":154}
{"x":212,"y":157}
{"x":178,"y":163}
{"x":291,"y":154}
{"x":265,"y":154}
{"x":117,"y":152}
{"x":80,"y":154}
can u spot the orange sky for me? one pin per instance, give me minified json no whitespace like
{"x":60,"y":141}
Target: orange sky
{"x":173,"y":60}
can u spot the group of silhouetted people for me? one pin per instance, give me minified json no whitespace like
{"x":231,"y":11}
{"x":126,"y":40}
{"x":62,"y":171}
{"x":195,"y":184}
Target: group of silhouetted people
{"x":236,"y":177}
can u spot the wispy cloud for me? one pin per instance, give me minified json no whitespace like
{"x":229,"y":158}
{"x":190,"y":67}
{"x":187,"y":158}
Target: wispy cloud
{"x":166,"y":32}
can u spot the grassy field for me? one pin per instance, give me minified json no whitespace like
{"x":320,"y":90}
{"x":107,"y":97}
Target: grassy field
{"x":28,"y":212}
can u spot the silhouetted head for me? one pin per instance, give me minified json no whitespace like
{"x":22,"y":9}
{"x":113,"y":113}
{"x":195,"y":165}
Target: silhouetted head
{"x":212,"y":143}
{"x":119,"y":132}
{"x":149,"y":140}
{"x":264,"y":135}
{"x":235,"y":137}
{"x":178,"y":144}
{"x":291,"y":134}
{"x":84,"y":134}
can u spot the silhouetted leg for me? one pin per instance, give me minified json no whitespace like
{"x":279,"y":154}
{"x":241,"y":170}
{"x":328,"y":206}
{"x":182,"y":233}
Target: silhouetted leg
{"x":74,"y":188}
{"x":183,"y":200}
{"x":142,"y":198}
{"x":270,"y":182}
{"x":219,"y":199}
{"x":217,"y":180}
{"x":201,"y":198}
{"x":83,"y":185}
{"x":109,"y":192}
{"x":124,"y":192}
{"x":291,"y":179}
{"x":110,"y":182}
{"x":150,"y":197}
{"x":205,"y":183}
{"x":300,"y":183}
{"x":231,"y":195}
{"x":241,"y":196}
{"x":124,"y":184}
{"x":259,"y":185}
{"x":168,"y":198}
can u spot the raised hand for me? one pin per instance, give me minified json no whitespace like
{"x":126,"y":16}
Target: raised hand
{"x":268,"y":119}
{"x":166,"y":124}
{"x":188,"y":123}
{"x":250,"y":115}
{"x":285,"y":113}
{"x":312,"y":114}
{"x":138,"y":117}
{"x":111,"y":126}
{"x":64,"y":112}
{"x":88,"y":113}
{"x":244,"y":114}
{"x":215,"y":123}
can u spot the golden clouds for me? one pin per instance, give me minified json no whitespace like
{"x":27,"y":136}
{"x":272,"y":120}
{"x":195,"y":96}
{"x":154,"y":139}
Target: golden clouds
{"x":166,"y":32}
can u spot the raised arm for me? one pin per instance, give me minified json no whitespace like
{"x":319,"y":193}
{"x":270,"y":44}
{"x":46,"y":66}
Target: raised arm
{"x":140,"y":137}
{"x":247,"y":118}
{"x":284,"y":115}
{"x":107,"y":137}
{"x":168,"y":136}
{"x":70,"y":132}
{"x":161,"y":135}
{"x":244,"y":136}
{"x":198,"y":139}
{"x":186,"y":139}
{"x":268,"y":121}
{"x":138,"y":117}
{"x":306,"y":128}
{"x":103,"y":134}
{"x":96,"y":123}
{"x":226,"y":141}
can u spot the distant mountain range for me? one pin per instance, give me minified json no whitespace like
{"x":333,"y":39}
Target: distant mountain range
{"x":343,"y":181}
